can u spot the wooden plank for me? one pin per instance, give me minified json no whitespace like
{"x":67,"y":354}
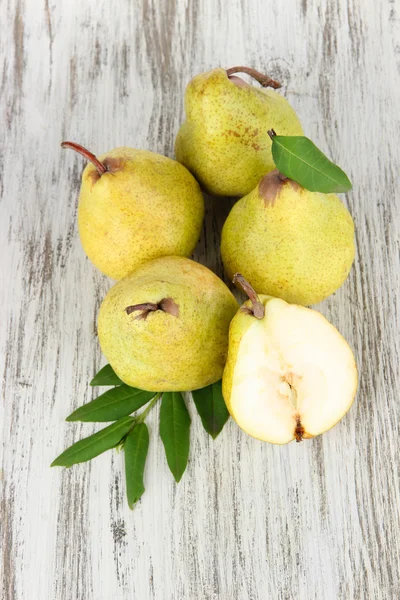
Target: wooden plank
{"x":248,"y":521}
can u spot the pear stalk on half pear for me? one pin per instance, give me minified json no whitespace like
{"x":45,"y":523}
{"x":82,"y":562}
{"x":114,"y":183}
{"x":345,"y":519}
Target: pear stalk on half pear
{"x":164,"y":328}
{"x":289,"y":242}
{"x":290,"y":375}
{"x":134,"y":206}
{"x":224,"y":141}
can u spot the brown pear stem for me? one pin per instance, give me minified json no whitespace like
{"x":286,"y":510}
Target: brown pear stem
{"x":258,"y":307}
{"x":101,"y":169}
{"x":146,"y":306}
{"x":263,"y":80}
{"x":272,"y":133}
{"x":167,"y":305}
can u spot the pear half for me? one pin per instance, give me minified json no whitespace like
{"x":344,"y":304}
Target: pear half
{"x":290,"y":375}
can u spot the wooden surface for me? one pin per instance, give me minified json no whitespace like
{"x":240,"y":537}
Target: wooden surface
{"x":249,"y":521}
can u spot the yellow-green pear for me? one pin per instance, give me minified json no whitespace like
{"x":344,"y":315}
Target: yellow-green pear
{"x":165,"y":326}
{"x":290,"y":375}
{"x":134,"y":206}
{"x":224,"y":141}
{"x":289,"y":242}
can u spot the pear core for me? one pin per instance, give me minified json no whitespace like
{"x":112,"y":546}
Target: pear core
{"x":290,"y":375}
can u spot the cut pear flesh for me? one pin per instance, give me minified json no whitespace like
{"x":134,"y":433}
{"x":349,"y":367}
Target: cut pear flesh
{"x":294,"y":377}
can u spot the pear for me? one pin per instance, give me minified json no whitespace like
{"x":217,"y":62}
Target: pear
{"x":224,"y":141}
{"x":165,"y":326}
{"x":290,"y":375}
{"x":134,"y":206}
{"x":289,"y":242}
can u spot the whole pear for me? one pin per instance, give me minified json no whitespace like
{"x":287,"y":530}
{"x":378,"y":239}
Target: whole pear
{"x":289,"y":242}
{"x":134,"y":206}
{"x":290,"y":375}
{"x":224,"y":141}
{"x":165,"y":326}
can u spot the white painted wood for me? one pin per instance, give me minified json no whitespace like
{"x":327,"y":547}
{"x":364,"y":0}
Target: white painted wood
{"x":249,"y":521}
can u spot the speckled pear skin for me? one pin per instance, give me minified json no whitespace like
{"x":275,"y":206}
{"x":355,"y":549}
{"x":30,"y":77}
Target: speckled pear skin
{"x":224,"y":140}
{"x":289,"y":242}
{"x":146,"y":206}
{"x":237,"y":328}
{"x":164,"y":352}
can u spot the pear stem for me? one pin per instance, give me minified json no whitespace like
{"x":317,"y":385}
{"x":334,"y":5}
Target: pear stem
{"x":167,"y":305}
{"x":146,"y":307}
{"x":272,"y":133}
{"x":258,"y":307}
{"x":101,"y":169}
{"x":263,"y":80}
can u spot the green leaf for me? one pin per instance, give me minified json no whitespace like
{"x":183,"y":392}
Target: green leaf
{"x":112,"y":405}
{"x":298,"y":158}
{"x":135,"y":448}
{"x":174,"y":432}
{"x":95,"y":444}
{"x":106,"y":376}
{"x":211,"y":408}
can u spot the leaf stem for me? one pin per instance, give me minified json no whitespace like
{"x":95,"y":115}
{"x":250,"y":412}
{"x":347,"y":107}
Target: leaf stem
{"x":144,"y":414}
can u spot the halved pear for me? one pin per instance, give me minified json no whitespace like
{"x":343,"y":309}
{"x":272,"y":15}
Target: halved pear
{"x":290,"y":375}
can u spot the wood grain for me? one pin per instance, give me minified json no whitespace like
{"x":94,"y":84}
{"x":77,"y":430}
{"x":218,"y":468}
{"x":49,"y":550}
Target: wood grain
{"x":249,"y":521}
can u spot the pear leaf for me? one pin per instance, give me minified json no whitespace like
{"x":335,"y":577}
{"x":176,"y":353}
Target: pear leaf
{"x":174,"y":432}
{"x":118,"y":402}
{"x":211,"y":407}
{"x":298,"y":158}
{"x":106,"y":376}
{"x":95,"y":444}
{"x":135,"y":448}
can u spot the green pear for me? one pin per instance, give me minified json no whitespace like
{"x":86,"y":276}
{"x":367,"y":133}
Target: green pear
{"x":290,"y":375}
{"x":289,"y":242}
{"x":224,"y":141}
{"x":165,"y":326}
{"x":134,"y":206}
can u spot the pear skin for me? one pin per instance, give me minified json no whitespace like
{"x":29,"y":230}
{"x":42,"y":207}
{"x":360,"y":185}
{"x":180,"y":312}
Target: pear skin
{"x":224,"y":141}
{"x":165,"y":326}
{"x":134,"y":206}
{"x":289,"y":242}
